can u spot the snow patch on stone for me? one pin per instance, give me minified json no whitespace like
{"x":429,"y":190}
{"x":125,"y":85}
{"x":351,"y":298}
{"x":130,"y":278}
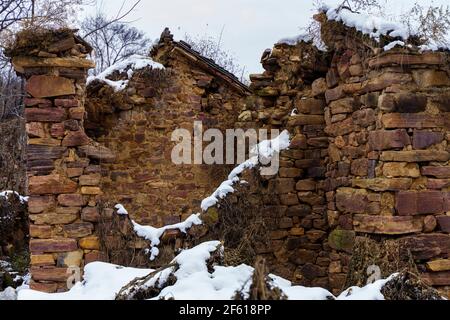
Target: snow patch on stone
{"x":7,"y":193}
{"x":132,"y":63}
{"x":393,"y":44}
{"x":304,"y":37}
{"x":154,"y":234}
{"x":121,"y":209}
{"x":265,"y":149}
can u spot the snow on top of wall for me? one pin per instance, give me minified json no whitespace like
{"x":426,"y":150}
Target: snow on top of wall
{"x":304,"y":37}
{"x":7,"y":193}
{"x":265,"y":149}
{"x":132,"y":63}
{"x":121,"y":209}
{"x":393,"y":44}
{"x":372,"y":25}
{"x":194,"y":281}
{"x":376,"y":26}
{"x":154,"y":234}
{"x":434,"y":45}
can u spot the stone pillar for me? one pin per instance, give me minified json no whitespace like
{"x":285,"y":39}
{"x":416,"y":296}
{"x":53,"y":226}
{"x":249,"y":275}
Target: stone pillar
{"x":288,"y":96}
{"x":63,"y":183}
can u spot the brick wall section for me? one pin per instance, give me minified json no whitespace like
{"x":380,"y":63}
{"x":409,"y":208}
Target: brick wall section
{"x":63,"y":184}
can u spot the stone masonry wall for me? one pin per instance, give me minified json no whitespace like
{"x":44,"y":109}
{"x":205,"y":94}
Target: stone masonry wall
{"x":369,"y":154}
{"x":63,"y":183}
{"x":387,"y":119}
{"x":137,"y":125}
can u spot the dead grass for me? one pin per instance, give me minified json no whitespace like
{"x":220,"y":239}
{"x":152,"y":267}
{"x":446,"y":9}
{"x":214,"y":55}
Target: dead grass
{"x":389,"y":255}
{"x":408,"y":286}
{"x":261,"y":288}
{"x":240,"y":224}
{"x":35,"y":39}
{"x":118,"y":240}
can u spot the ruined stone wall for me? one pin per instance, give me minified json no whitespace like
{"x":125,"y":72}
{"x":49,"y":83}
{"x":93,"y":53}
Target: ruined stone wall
{"x":387,"y":117}
{"x":138,"y":127}
{"x":369,"y":155}
{"x":63,"y":182}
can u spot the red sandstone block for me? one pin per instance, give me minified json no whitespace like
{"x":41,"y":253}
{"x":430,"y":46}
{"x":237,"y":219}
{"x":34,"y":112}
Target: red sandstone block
{"x":42,"y":232}
{"x":170,"y":234}
{"x":75,"y":138}
{"x":90,"y":214}
{"x":67,"y":103}
{"x":51,"y":184}
{"x":37,"y":204}
{"x":438,"y":183}
{"x":49,"y":274}
{"x":77,"y":113}
{"x":42,"y":86}
{"x":35,"y":130}
{"x":53,"y":245}
{"x":57,"y":130}
{"x":438,"y":172}
{"x":444,"y":223}
{"x":422,"y":202}
{"x":45,"y":114}
{"x":94,"y":256}
{"x":42,"y":103}
{"x":405,"y":59}
{"x":388,"y":139}
{"x":412,"y":120}
{"x":427,"y":246}
{"x":386,"y":224}
{"x":43,"y":286}
{"x":298,"y":142}
{"x":437,"y":278}
{"x":424,"y":139}
{"x":334,"y":94}
{"x":71,"y":200}
{"x":78,"y":230}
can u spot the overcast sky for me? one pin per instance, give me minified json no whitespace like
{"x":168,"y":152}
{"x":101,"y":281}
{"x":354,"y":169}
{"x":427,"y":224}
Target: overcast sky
{"x":250,"y":26}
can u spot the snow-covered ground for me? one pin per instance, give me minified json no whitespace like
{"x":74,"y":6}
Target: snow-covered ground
{"x":102,"y":281}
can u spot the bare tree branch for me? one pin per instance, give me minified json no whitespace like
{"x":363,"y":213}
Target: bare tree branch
{"x":113,"y":43}
{"x":117,"y":19}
